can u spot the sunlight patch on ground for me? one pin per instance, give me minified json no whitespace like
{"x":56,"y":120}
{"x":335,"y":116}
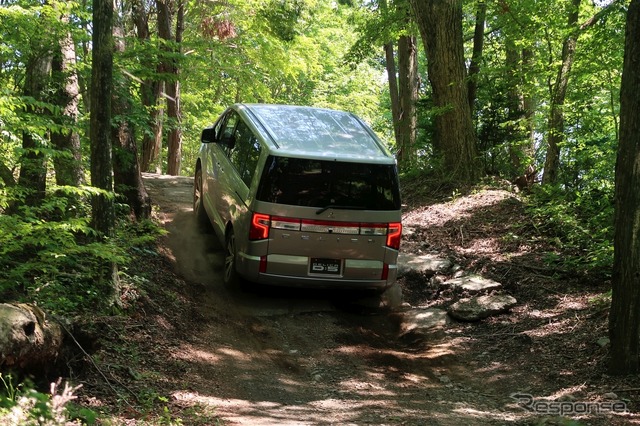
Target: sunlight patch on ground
{"x":235,"y":354}
{"x":580,"y":303}
{"x":537,"y":314}
{"x":439,"y":351}
{"x":441,"y":213}
{"x":472,"y":413}
{"x":194,"y":354}
{"x":191,"y":354}
{"x":558,"y":327}
{"x":496,"y":370}
{"x":481,"y":246}
{"x":563,"y":393}
{"x":415,"y":379}
{"x":267,"y":413}
{"x":365,"y":388}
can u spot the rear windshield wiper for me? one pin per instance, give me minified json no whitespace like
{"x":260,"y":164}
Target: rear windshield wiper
{"x":338,"y":207}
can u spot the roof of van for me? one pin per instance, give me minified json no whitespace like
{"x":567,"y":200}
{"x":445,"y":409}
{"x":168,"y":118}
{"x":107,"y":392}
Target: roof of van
{"x":319,"y":132}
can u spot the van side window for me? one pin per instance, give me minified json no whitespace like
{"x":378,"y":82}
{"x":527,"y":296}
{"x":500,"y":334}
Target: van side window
{"x":228,"y":127}
{"x":246,"y":152}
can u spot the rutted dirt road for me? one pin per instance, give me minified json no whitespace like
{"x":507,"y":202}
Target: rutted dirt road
{"x":294,"y":357}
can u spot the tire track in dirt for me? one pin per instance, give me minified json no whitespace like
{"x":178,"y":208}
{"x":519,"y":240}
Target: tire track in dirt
{"x":283,"y":356}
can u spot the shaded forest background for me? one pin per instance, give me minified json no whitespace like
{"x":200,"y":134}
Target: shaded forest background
{"x":464,"y":93}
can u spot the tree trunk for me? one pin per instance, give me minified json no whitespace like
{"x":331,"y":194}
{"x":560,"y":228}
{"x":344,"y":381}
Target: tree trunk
{"x":440,"y":25}
{"x":408,"y":95}
{"x":624,"y":317}
{"x":152,"y":141}
{"x":520,"y":124}
{"x":390,"y":65}
{"x":6,"y":175}
{"x":126,"y":170}
{"x":555,"y":133}
{"x":528,"y":105}
{"x":28,"y":341}
{"x":68,"y":167}
{"x":33,"y":164}
{"x":476,"y":57}
{"x":170,"y":68}
{"x":103,"y":213}
{"x":150,"y":93}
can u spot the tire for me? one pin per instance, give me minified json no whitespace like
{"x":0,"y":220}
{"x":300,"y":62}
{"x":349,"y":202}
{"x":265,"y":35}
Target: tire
{"x":202,"y":220}
{"x":230,"y":275}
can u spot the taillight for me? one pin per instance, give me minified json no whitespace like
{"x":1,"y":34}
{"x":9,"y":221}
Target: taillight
{"x":259,"y":229}
{"x":385,"y":272}
{"x":394,"y":235}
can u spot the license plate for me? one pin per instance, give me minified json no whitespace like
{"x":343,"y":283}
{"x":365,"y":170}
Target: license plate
{"x":324,"y":266}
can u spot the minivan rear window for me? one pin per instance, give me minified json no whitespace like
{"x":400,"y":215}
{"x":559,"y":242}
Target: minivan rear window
{"x":322,"y":184}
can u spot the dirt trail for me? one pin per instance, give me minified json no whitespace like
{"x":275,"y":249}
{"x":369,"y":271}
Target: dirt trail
{"x":293,"y":357}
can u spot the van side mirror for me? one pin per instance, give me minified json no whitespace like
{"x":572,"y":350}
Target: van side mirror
{"x":208,"y":135}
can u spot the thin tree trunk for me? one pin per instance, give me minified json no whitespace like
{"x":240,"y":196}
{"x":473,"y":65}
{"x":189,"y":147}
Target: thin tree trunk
{"x":440,"y":25}
{"x":528,"y":104}
{"x":520,"y":123}
{"x":6,"y":175}
{"x":174,"y":155}
{"x":408,"y":96}
{"x":555,"y":134}
{"x":103,"y":213}
{"x":172,"y":84}
{"x":390,"y":65}
{"x":33,"y":164}
{"x":624,"y":316}
{"x":150,"y":93}
{"x":83,"y":84}
{"x":513,"y":104}
{"x":152,"y":141}
{"x":476,"y":57}
{"x":68,"y":168}
{"x":126,"y":170}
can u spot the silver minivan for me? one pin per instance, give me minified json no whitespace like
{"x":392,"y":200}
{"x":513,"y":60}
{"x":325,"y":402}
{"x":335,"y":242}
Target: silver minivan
{"x":300,"y":196}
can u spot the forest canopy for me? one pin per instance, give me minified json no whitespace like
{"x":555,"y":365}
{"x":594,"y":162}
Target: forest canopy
{"x":525,"y":93}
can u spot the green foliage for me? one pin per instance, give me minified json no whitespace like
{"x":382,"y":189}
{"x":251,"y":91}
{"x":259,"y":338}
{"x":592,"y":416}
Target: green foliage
{"x":291,"y":53}
{"x":21,"y":404}
{"x":283,"y":17}
{"x":579,"y":222}
{"x":50,"y":257}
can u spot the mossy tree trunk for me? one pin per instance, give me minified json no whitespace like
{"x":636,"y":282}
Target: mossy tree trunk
{"x":103,"y":212}
{"x":440,"y":25}
{"x":624,"y":317}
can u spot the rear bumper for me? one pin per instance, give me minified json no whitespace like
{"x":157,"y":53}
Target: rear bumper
{"x":293,"y":271}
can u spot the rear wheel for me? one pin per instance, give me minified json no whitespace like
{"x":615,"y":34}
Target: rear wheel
{"x":231,"y":277}
{"x":198,"y":202}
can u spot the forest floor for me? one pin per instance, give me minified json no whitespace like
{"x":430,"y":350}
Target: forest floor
{"x":191,"y":351}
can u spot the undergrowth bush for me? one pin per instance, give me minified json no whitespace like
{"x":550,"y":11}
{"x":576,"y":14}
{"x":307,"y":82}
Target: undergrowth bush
{"x":579,"y":222}
{"x":51,"y":257}
{"x":21,"y":405}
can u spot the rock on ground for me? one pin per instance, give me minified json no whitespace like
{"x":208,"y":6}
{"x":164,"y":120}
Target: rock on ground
{"x":480,"y":307}
{"x":428,"y":264}
{"x":423,"y":322}
{"x":27,"y":340}
{"x":473,"y":284}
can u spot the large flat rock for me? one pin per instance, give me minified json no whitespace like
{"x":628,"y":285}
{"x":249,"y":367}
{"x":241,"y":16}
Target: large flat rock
{"x":428,"y":264}
{"x":422,"y":322}
{"x":480,"y":307}
{"x":473,"y":284}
